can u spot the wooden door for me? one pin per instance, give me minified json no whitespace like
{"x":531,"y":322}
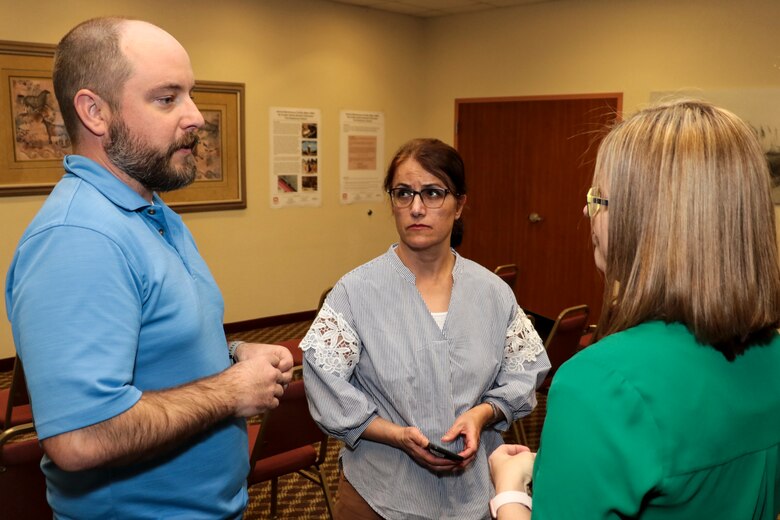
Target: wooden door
{"x":529,"y":163}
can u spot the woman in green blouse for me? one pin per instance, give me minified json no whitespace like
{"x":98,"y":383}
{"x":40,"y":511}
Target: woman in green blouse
{"x":675,"y":412}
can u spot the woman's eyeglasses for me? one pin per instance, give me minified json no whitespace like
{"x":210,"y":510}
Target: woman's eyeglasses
{"x":595,"y":201}
{"x":432,"y":198}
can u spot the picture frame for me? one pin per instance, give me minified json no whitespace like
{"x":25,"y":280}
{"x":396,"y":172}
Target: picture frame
{"x":33,"y":140}
{"x":221,"y":179}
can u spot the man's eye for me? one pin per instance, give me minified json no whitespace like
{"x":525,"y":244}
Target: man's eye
{"x":167,"y":100}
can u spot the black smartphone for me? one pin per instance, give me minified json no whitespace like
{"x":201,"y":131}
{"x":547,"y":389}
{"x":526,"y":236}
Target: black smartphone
{"x":440,"y":451}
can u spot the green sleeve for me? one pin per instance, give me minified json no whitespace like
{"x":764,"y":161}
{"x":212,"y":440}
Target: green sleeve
{"x":600,"y":452}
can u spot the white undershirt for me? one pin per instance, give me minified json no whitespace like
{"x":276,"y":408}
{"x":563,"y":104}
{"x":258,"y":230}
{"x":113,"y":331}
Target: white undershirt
{"x":440,"y":318}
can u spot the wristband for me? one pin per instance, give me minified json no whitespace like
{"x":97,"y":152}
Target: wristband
{"x":509,"y":497}
{"x":232,"y":347}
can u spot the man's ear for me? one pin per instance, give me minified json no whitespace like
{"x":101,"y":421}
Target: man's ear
{"x":93,"y":111}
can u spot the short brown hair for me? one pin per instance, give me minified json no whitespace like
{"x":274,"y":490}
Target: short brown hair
{"x":90,"y":57}
{"x":692,"y":234}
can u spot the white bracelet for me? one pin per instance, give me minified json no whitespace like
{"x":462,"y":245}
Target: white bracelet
{"x":232,"y":347}
{"x":509,"y":497}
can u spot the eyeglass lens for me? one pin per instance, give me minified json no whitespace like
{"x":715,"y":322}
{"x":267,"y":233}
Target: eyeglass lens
{"x":431,"y":197}
{"x":594,"y":201}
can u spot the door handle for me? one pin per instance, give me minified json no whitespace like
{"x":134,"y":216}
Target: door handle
{"x":535,"y":217}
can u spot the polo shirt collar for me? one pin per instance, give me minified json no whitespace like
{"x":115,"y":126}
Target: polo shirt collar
{"x":106,"y":183}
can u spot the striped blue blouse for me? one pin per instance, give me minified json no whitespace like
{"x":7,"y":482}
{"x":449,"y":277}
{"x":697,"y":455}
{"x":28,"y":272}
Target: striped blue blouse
{"x":375,"y":350}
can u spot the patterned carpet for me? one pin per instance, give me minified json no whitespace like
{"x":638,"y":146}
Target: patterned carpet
{"x":300,"y":499}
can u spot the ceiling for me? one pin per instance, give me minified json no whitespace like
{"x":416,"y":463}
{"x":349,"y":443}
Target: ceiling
{"x":434,"y":8}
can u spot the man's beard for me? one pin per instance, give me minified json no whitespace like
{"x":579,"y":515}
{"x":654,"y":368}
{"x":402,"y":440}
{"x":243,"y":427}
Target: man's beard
{"x":152,"y":168}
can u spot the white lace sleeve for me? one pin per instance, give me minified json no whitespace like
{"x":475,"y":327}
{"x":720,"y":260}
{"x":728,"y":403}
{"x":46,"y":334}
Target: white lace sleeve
{"x":522,"y":345}
{"x":334,"y":342}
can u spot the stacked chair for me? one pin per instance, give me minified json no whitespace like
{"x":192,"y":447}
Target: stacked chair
{"x":288,"y":441}
{"x":561,"y":344}
{"x":22,"y":484}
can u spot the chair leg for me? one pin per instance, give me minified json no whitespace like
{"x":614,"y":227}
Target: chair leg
{"x":325,"y":491}
{"x":274,"y":493}
{"x":519,"y":432}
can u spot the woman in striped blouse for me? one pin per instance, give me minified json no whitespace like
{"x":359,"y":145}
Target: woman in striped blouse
{"x":420,"y":346}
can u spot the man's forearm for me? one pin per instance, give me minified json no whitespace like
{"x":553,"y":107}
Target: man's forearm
{"x":158,"y":421}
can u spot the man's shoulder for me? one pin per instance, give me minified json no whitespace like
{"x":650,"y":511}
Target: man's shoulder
{"x":76,"y":204}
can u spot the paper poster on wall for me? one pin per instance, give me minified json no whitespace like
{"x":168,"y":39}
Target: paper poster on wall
{"x":295,"y":157}
{"x":361,"y":156}
{"x":759,"y":107}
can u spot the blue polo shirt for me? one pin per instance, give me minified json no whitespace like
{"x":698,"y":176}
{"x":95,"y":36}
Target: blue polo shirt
{"x":108,"y":297}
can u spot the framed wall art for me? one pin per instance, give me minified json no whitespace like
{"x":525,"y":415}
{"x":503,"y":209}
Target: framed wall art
{"x":221,"y":178}
{"x":33,"y":140}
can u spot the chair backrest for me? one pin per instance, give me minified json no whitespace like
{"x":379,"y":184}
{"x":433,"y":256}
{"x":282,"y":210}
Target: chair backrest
{"x":288,"y":426}
{"x":508,"y":273}
{"x":22,"y":483}
{"x":17,"y":408}
{"x":564,"y":338}
{"x":294,"y":346}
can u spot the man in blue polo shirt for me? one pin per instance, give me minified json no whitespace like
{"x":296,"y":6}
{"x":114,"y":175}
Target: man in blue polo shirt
{"x":116,"y":316}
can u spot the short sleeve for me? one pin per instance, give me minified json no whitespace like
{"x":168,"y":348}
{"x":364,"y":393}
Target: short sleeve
{"x":600,"y":451}
{"x":78,"y":283}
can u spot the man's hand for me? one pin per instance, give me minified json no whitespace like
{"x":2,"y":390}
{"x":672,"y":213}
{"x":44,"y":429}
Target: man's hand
{"x":260,"y":377}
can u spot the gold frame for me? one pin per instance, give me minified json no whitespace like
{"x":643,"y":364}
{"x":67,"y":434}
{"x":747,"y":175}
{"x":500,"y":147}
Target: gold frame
{"x":225,"y":100}
{"x":20,"y":175}
{"x":33,"y":140}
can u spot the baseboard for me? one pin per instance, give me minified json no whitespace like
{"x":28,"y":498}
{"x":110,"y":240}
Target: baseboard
{"x":269,"y":321}
{"x":7,"y":364}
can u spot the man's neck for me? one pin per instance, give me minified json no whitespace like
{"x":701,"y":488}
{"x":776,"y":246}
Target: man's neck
{"x":98,"y":154}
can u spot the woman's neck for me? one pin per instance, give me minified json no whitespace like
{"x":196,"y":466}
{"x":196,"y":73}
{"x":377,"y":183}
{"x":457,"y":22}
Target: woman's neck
{"x":429,"y":264}
{"x":433,"y":275}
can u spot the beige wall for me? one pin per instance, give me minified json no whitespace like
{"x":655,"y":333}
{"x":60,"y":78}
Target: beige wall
{"x":308,"y":53}
{"x":573,"y":46}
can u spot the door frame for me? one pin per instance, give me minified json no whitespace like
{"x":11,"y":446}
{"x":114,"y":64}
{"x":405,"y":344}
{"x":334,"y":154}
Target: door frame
{"x":546,"y":97}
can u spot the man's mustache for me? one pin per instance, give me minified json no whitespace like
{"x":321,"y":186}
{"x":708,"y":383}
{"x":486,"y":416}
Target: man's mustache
{"x":189,"y":140}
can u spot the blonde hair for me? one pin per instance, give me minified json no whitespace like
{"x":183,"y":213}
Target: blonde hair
{"x":691,"y":226}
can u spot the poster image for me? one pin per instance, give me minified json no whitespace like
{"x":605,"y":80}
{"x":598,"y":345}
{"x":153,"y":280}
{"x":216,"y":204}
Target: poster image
{"x":295,"y":155}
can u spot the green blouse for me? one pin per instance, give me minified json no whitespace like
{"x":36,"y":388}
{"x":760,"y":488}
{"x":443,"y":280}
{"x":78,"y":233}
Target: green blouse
{"x":648,"y":423}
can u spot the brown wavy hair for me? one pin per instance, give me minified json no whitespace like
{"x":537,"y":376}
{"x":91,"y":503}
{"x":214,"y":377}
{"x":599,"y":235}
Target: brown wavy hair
{"x":691,"y":228}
